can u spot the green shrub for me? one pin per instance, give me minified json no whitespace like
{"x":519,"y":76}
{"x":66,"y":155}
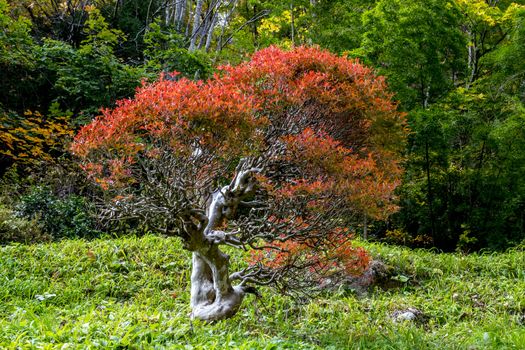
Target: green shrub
{"x":166,"y":52}
{"x":60,"y":217}
{"x":17,"y":229}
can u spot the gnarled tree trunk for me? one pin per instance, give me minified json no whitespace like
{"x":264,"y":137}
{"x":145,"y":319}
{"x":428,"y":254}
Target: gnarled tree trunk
{"x":212,"y":295}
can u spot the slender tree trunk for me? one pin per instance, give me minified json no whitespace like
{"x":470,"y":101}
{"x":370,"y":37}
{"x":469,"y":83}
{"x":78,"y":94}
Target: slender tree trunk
{"x":233,"y":4}
{"x":365,"y":228}
{"x":196,"y":25}
{"x":255,"y":31}
{"x":115,"y":9}
{"x":172,"y":8}
{"x":188,"y":22}
{"x":148,"y":13}
{"x":474,"y":191}
{"x":472,"y":58}
{"x":209,"y":36}
{"x":430,"y":196}
{"x":208,"y":24}
{"x":427,"y":97}
{"x":182,"y":4}
{"x":292,"y":23}
{"x":203,"y":33}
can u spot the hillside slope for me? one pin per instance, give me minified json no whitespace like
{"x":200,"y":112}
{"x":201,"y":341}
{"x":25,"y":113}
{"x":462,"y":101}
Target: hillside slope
{"x":134,"y":293}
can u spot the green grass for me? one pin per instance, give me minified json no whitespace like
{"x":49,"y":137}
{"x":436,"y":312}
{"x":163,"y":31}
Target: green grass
{"x":134,"y":293}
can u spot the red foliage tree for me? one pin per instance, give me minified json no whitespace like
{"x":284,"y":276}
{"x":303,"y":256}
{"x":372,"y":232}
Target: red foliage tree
{"x":279,"y":155}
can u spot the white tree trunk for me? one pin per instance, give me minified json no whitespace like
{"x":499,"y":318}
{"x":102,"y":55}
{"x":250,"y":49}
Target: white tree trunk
{"x":212,"y":295}
{"x":196,"y":25}
{"x":181,"y":12}
{"x":209,"y":35}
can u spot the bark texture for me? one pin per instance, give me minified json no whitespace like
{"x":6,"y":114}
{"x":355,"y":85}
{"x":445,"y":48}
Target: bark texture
{"x":213,"y":297}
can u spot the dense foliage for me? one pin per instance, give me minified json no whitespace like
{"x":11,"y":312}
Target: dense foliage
{"x":455,"y":66}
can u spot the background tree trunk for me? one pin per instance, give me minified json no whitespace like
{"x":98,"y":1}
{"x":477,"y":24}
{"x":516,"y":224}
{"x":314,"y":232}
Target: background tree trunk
{"x":196,"y":25}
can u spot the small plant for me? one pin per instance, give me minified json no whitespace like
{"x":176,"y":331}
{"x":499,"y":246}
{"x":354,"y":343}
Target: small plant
{"x":466,"y":241}
{"x":60,"y":217}
{"x":165,"y":51}
{"x":400,"y":237}
{"x":17,"y":229}
{"x":32,"y":138}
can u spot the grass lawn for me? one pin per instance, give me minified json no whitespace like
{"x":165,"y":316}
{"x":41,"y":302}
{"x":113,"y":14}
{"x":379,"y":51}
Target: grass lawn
{"x":134,"y":293}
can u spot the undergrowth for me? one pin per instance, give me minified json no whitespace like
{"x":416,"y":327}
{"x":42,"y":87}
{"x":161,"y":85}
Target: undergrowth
{"x":134,"y":293}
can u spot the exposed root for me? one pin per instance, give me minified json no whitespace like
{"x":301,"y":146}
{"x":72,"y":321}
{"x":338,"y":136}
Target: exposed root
{"x":219,"y":309}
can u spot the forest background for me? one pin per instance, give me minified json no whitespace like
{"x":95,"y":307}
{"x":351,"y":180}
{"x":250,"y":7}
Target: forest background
{"x":457,"y":69}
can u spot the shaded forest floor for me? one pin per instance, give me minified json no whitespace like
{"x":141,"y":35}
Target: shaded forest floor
{"x":134,"y":293}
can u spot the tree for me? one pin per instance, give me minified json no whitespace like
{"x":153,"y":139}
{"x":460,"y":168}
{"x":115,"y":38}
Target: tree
{"x":61,"y":20}
{"x":486,"y":24}
{"x":17,"y":59}
{"x":463,"y":179}
{"x":91,"y":76}
{"x":278,"y":155}
{"x":417,"y":45}
{"x":504,"y":62}
{"x":343,"y":34}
